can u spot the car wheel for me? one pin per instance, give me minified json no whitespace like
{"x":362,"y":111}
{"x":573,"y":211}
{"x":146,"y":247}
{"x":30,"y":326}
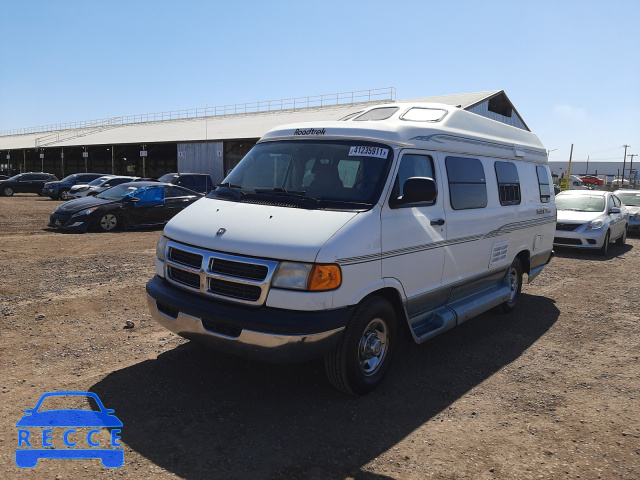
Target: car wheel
{"x":623,"y":238}
{"x":108,"y":222}
{"x":7,"y":191}
{"x":515,"y":285}
{"x":605,"y":246}
{"x":358,"y":363}
{"x":64,"y":194}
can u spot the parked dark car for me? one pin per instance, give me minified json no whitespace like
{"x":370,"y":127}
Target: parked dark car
{"x":129,"y":205}
{"x":60,"y":189}
{"x":31,"y":182}
{"x":198,"y":182}
{"x":4,"y":177}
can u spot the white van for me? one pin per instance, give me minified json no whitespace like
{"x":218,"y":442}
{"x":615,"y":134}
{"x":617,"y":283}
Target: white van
{"x":330,"y":238}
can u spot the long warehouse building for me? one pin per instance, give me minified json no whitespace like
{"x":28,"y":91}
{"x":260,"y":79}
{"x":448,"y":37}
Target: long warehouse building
{"x":209,"y":140}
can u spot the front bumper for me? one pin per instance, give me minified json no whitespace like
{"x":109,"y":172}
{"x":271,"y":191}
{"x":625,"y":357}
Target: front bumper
{"x":580,"y":238}
{"x":67,"y":222}
{"x":265,"y":333}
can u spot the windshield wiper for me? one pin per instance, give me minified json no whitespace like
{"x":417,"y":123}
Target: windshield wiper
{"x":228,"y":185}
{"x":295,"y":193}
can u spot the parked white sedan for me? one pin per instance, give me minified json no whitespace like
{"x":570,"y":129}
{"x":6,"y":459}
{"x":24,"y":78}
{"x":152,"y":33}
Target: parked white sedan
{"x":631,"y":200}
{"x":99,"y":185}
{"x":590,"y":219}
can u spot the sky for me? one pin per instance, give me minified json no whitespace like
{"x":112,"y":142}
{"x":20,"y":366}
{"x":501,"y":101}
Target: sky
{"x":570,"y":67}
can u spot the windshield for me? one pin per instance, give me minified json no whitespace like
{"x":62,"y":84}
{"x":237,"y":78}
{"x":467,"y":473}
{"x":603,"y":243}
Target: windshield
{"x":580,"y":203}
{"x":16,"y":177}
{"x":630,"y":199}
{"x":321,"y":174}
{"x":69,"y":178}
{"x":99,"y":181}
{"x":166,"y":178}
{"x":117,"y":193}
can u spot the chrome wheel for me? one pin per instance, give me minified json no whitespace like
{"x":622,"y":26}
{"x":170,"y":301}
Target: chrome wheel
{"x":372,"y":349}
{"x":514,"y":283}
{"x":8,"y":191}
{"x":64,"y":195}
{"x":108,"y":222}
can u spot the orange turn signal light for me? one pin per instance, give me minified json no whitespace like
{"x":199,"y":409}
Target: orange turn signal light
{"x":324,"y":277}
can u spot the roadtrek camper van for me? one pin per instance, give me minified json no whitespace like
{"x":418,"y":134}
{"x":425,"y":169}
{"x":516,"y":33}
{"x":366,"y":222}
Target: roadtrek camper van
{"x":330,"y":239}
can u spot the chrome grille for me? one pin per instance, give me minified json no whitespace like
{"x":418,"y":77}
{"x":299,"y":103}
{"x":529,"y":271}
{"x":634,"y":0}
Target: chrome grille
{"x":238,"y":269}
{"x":183,"y":257}
{"x":229,"y":277}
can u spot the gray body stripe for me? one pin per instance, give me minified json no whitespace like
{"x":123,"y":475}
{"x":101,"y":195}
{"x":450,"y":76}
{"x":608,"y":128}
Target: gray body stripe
{"x":508,"y":228}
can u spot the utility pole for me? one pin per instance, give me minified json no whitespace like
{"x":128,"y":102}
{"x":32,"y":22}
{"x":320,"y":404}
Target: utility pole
{"x":569,"y":170}
{"x":624,"y":164}
{"x":587,"y":172}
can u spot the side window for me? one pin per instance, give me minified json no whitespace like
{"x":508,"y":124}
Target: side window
{"x":174,"y":192}
{"x":412,"y":165}
{"x":508,"y":183}
{"x":467,"y":183}
{"x":187,"y":182}
{"x":544,"y":183}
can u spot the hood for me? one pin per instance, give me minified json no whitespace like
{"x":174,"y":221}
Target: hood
{"x":81,"y":203}
{"x":56,"y":182}
{"x":578,"y":217}
{"x":256,"y":230}
{"x":633,"y":210}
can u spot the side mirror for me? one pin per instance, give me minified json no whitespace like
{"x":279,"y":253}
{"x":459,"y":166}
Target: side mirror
{"x":134,"y":199}
{"x":614,"y":210}
{"x":415,"y":190}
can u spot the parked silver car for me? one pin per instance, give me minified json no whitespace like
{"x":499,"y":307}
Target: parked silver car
{"x":590,"y":219}
{"x":631,"y":200}
{"x":99,"y":185}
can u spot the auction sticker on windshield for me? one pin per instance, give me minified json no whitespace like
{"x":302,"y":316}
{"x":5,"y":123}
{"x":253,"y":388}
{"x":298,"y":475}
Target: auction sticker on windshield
{"x":376,"y":152}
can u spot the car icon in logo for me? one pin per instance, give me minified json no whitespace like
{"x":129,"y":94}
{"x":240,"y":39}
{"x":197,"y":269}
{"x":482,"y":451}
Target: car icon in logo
{"x":29,"y":438}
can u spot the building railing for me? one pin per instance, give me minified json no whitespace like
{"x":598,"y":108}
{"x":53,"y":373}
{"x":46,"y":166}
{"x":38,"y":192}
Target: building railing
{"x":287,"y":104}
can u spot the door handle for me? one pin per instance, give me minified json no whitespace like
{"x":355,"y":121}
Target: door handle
{"x":437,"y":223}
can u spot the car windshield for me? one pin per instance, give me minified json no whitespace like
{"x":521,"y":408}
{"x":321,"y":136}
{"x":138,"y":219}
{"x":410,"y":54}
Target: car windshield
{"x":69,"y":178}
{"x":99,"y":181}
{"x":310,"y":174}
{"x":16,"y":177}
{"x":630,"y":199}
{"x":166,"y":178}
{"x":117,"y":193}
{"x":580,"y":203}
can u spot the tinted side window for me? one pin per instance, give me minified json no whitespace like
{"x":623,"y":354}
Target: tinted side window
{"x":508,"y":183}
{"x":544,"y":183}
{"x":173,"y":192}
{"x":412,"y":165}
{"x":467,"y":183}
{"x":187,"y":182}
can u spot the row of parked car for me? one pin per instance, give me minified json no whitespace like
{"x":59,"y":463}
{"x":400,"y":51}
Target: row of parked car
{"x":592,"y":219}
{"x":109,"y":202}
{"x":83,"y":184}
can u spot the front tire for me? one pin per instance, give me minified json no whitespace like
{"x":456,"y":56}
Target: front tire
{"x":623,"y":238}
{"x":108,"y":222}
{"x":515,"y":285}
{"x":358,"y":364}
{"x":605,"y":246}
{"x":7,"y":191}
{"x":64,"y":194}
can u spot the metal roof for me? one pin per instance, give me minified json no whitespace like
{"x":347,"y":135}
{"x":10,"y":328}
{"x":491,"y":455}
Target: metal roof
{"x":214,"y":128}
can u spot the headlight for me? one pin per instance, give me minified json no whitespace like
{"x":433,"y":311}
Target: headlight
{"x":307,"y":276}
{"x":595,"y":225}
{"x":161,"y":247}
{"x":87,"y":211}
{"x":80,"y":189}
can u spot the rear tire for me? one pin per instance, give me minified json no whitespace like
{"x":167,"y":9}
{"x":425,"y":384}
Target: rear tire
{"x":605,"y":246}
{"x":623,"y":238}
{"x":7,"y":191}
{"x":358,"y":363}
{"x":515,"y":285}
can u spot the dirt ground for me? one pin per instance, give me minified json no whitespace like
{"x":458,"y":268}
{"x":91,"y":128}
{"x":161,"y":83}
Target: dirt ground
{"x":549,"y":391}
